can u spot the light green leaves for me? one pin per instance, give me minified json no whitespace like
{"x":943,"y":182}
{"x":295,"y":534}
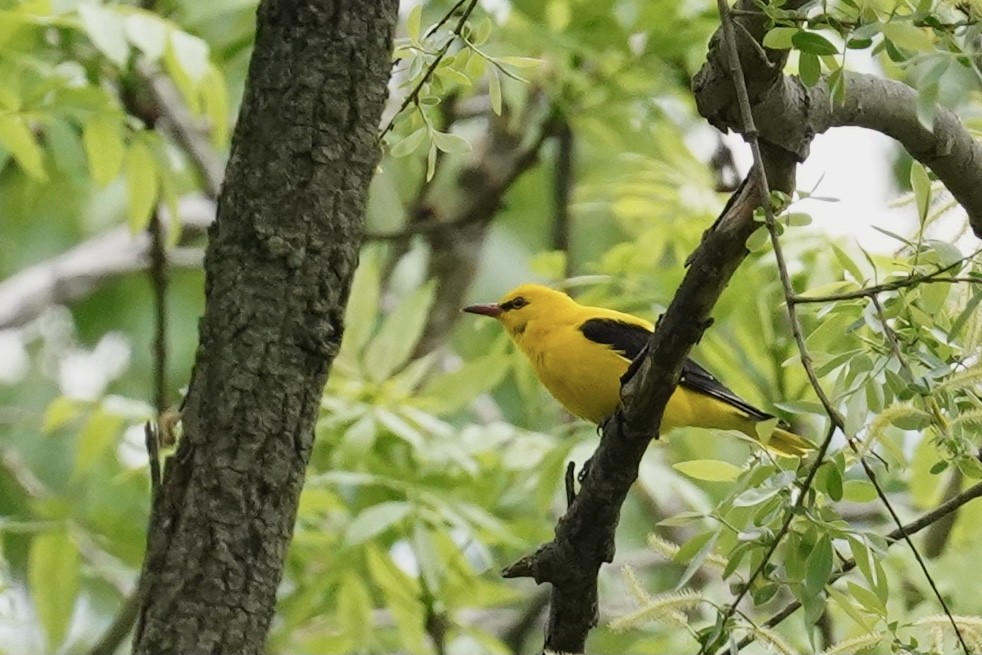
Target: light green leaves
{"x":103,"y":141}
{"x":375,"y":520}
{"x":390,"y":349}
{"x":17,"y":139}
{"x":710,"y":470}
{"x":142,"y":184}
{"x":920,"y":183}
{"x":53,"y":577}
{"x":104,"y":27}
{"x":147,"y":32}
{"x":908,"y":36}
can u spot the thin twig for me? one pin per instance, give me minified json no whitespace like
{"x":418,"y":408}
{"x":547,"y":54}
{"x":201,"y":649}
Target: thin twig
{"x":910,"y":281}
{"x":158,"y":282}
{"x":562,"y":187}
{"x":414,"y":94}
{"x":930,"y":518}
{"x":750,"y":134}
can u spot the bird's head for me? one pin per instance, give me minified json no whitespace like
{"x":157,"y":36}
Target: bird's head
{"x":523,"y":304}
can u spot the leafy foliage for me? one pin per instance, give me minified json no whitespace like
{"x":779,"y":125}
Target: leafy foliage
{"x":433,"y":469}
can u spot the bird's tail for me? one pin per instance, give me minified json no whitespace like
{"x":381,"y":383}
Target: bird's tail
{"x":788,"y":444}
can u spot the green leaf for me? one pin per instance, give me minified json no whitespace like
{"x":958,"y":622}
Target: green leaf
{"x":906,"y":35}
{"x":858,"y":491}
{"x":809,"y":69}
{"x":431,"y":569}
{"x":147,"y":32}
{"x":95,"y":438}
{"x":414,"y":23}
{"x":60,"y":411}
{"x":141,"y":184}
{"x":394,"y":343}
{"x":797,"y":219}
{"x":104,"y":27}
{"x":362,"y":309}
{"x":866,"y":599}
{"x":375,"y":520}
{"x":829,"y":481}
{"x":454,"y":390}
{"x":830,"y":289}
{"x":354,"y":606}
{"x":214,"y":100}
{"x":849,"y":607}
{"x":104,"y":148}
{"x":402,"y":596}
{"x":759,"y":239}
{"x":431,"y":162}
{"x":494,"y":90}
{"x":410,"y":144}
{"x":17,"y":139}
{"x":53,"y":578}
{"x":819,"y":566}
{"x":927,"y":105}
{"x":847,"y":263}
{"x":450,"y":142}
{"x":191,"y":53}
{"x":711,"y":470}
{"x":521,"y":62}
{"x":813,"y":43}
{"x":837,"y":83}
{"x":780,"y":38}
{"x":705,"y":542}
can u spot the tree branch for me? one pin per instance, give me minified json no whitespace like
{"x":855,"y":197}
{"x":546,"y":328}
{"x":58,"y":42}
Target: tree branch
{"x":77,"y":272}
{"x":788,"y":114}
{"x":584,"y":537}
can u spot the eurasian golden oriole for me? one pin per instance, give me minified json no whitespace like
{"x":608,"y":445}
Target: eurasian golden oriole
{"x":580,"y":354}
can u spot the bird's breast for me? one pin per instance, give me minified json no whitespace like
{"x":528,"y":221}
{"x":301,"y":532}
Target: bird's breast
{"x":582,"y":375}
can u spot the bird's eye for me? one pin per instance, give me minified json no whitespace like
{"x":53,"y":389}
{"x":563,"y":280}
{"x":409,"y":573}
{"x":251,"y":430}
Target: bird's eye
{"x":518,"y":303}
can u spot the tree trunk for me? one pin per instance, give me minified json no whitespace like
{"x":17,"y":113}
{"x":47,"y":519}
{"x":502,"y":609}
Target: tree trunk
{"x":279,"y":264}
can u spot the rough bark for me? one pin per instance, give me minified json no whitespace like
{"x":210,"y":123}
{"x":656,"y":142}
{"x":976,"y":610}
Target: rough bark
{"x":278,"y":268}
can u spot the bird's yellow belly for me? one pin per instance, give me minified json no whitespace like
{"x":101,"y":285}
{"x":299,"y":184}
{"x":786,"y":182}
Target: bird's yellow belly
{"x":588,"y":384}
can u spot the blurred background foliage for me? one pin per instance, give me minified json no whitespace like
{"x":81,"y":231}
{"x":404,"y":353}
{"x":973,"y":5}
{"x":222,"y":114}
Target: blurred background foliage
{"x":556,"y":141}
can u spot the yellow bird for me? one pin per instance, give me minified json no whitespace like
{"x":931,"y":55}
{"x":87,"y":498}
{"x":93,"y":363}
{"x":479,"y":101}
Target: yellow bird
{"x":580,"y":353}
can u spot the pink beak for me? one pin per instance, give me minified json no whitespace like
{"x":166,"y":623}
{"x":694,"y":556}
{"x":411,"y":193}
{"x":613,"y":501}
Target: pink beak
{"x":484,"y":310}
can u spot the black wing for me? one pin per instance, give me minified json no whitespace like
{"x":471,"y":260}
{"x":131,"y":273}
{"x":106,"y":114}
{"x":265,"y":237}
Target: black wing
{"x":627,"y":339}
{"x":697,"y":378}
{"x":631,"y":340}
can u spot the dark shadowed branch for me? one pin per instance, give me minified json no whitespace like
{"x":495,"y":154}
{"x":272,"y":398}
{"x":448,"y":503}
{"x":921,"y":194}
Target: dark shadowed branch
{"x":584,"y":537}
{"x":562,"y":190}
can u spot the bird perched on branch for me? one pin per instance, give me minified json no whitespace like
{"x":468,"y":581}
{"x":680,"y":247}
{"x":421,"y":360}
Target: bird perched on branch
{"x":580,"y":354}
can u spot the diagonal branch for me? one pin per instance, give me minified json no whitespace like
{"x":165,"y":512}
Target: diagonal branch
{"x":749,"y":130}
{"x":584,"y":537}
{"x":788,"y":114}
